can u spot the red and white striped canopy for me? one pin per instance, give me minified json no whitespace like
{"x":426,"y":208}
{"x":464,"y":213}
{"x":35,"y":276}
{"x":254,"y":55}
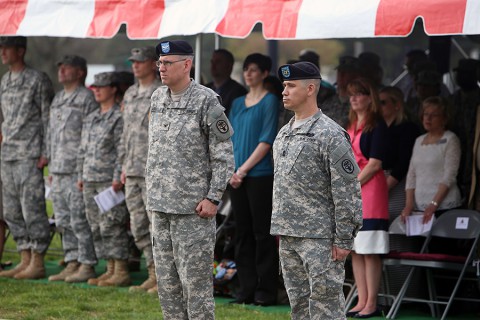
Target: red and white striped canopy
{"x":281,"y":19}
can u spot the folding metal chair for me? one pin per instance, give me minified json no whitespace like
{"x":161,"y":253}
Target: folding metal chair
{"x":386,"y":293}
{"x":454,"y":224}
{"x":53,"y":232}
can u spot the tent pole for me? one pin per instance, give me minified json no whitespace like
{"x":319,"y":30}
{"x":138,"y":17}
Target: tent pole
{"x":198,"y":57}
{"x":217,"y":41}
{"x":272,"y":47}
{"x":457,"y":45}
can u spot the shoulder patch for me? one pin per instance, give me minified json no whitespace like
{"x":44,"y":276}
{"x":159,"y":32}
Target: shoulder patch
{"x":221,"y":128}
{"x":343,"y":161}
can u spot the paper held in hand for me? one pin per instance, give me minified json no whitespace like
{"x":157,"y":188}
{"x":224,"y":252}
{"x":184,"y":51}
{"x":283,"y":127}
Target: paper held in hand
{"x":107,"y":199}
{"x":416,"y":227}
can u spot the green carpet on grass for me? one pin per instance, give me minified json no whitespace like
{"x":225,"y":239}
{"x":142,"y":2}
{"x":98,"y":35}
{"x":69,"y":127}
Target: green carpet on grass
{"x":411,"y":311}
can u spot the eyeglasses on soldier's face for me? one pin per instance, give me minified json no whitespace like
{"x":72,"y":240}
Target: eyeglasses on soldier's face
{"x":167,"y":63}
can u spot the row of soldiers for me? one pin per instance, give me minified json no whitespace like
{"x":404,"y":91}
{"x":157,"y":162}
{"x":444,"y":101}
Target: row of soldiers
{"x":89,"y":145}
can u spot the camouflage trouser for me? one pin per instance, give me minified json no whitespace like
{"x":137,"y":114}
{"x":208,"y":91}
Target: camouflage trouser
{"x":109,"y":229}
{"x":1,"y":199}
{"x":70,"y":219}
{"x":183,"y":253}
{"x":314,"y":282}
{"x":24,"y":204}
{"x":136,"y":197}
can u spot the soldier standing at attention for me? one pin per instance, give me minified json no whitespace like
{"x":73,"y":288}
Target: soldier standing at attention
{"x":68,"y":110}
{"x":190,"y":160}
{"x":136,"y":106}
{"x":25,"y":97}
{"x":316,"y":199}
{"x":99,"y":168}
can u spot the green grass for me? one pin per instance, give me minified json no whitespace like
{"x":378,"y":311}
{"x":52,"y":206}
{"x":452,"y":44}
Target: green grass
{"x":29,"y":300}
{"x":32,"y":300}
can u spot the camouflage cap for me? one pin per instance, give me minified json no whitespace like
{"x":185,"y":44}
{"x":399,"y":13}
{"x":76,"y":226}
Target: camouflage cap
{"x":74,"y":61}
{"x":428,"y":78}
{"x":143,"y":54}
{"x":467,"y":65}
{"x":310,"y":56}
{"x":105,"y":79}
{"x":17,"y":41}
{"x":349,"y":64}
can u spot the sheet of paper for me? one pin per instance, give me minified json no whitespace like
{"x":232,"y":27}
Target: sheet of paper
{"x":47,"y":192}
{"x":416,"y":227}
{"x":107,"y":199}
{"x":462,"y":223}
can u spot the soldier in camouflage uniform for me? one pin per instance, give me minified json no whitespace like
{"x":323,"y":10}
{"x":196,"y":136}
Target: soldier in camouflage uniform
{"x":136,"y":106}
{"x":25,"y":97}
{"x":316,"y":199}
{"x":190,"y":160}
{"x":68,"y":110}
{"x":99,"y":167}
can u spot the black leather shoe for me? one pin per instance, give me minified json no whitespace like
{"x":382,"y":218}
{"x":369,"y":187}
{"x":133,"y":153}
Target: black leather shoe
{"x":351,"y":314}
{"x":376,"y":313}
{"x":241,"y":301}
{"x":264,"y":303}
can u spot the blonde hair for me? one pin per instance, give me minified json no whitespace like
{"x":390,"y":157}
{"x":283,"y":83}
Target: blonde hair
{"x":396,"y":96}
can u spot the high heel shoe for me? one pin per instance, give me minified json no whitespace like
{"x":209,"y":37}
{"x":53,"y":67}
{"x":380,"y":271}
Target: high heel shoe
{"x":351,"y":314}
{"x":376,"y":313}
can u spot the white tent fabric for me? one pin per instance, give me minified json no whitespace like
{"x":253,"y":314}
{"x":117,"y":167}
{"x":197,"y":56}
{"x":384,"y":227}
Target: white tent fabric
{"x":281,"y":19}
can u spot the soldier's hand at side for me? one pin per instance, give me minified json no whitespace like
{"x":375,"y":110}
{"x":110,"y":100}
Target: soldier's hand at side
{"x":80,"y":185}
{"x":123,"y":177}
{"x":339,"y":254}
{"x":206,"y":209}
{"x":42,"y":162}
{"x":117,"y":185}
{"x":50,"y":179}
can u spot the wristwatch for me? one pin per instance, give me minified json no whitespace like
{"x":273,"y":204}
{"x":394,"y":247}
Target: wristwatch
{"x":215,"y":202}
{"x":435,"y":203}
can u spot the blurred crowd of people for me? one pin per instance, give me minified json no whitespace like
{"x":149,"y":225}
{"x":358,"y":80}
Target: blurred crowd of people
{"x":416,"y":144}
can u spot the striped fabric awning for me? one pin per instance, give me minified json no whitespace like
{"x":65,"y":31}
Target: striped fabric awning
{"x":281,"y":19}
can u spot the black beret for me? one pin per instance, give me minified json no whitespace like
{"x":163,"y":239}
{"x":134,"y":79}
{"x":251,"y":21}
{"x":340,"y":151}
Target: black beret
{"x":298,"y":71}
{"x":174,"y":47}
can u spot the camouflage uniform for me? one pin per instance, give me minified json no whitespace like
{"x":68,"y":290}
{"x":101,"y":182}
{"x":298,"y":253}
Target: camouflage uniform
{"x":190,"y":158}
{"x":135,"y":144}
{"x":316,"y":204}
{"x":25,"y":104}
{"x":337,"y":110}
{"x":98,"y":165}
{"x":64,"y":135}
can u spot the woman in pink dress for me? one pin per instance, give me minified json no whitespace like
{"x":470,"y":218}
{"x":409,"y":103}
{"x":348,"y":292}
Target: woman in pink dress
{"x":369,"y":136}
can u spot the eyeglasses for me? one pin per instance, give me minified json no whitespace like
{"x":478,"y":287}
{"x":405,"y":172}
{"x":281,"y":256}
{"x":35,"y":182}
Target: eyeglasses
{"x":431,"y":115}
{"x":167,"y":63}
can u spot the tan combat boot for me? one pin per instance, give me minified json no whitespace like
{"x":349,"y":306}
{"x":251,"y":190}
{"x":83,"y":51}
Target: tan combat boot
{"x":153,"y":290}
{"x":147,"y":284}
{"x":35,"y":270}
{"x":106,"y":275}
{"x":83,"y":274}
{"x":120,"y":278}
{"x":70,"y":269}
{"x":24,"y":262}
